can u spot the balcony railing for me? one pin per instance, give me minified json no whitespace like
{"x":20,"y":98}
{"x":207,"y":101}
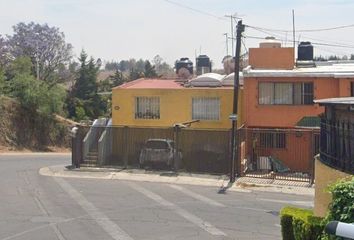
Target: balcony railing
{"x":337,"y":145}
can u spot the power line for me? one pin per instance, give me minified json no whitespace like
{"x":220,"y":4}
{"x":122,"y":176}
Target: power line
{"x":304,"y":30}
{"x":314,"y":43}
{"x":325,"y":43}
{"x":194,"y":9}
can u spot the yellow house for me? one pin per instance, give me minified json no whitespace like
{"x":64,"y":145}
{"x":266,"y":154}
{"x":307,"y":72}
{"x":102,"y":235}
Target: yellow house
{"x":165,"y":102}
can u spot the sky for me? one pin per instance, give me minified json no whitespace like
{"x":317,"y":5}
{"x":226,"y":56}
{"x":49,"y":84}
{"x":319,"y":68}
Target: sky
{"x":117,"y":29}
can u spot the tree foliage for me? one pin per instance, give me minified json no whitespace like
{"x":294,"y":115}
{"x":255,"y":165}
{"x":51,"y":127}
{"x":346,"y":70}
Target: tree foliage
{"x":2,"y":81}
{"x":34,"y":96}
{"x":45,"y":46}
{"x":83,"y":102}
{"x":118,"y":78}
{"x":4,"y":52}
{"x":149,"y":70}
{"x":111,"y":66}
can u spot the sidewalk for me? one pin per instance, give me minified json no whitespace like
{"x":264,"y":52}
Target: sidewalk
{"x":243,"y":184}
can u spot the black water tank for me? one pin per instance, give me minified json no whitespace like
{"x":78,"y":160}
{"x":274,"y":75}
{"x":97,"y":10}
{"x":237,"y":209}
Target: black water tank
{"x":203,"y":61}
{"x":184,"y":63}
{"x":203,"y":64}
{"x":305,"y":51}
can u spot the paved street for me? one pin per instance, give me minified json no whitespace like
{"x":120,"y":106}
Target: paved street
{"x":35,"y":207}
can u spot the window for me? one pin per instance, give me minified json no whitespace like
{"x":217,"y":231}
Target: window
{"x":147,"y":108}
{"x":206,"y":108}
{"x":285,"y":93}
{"x":272,"y":140}
{"x":352,"y":89}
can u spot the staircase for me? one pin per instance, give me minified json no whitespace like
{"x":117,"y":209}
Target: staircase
{"x":91,"y":159}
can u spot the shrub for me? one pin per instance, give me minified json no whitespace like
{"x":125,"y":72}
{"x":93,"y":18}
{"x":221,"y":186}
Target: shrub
{"x":342,"y":205}
{"x":300,"y":224}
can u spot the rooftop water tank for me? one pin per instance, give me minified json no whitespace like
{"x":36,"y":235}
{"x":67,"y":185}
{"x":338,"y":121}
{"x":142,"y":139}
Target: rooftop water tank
{"x":207,"y":80}
{"x":203,"y":64}
{"x":270,"y":42}
{"x":305,"y":51}
{"x":184,"y":68}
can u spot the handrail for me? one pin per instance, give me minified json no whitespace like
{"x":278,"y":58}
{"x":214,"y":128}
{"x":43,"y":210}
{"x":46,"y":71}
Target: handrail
{"x":91,"y":136}
{"x":86,"y":144}
{"x":105,"y":146}
{"x":102,"y":147}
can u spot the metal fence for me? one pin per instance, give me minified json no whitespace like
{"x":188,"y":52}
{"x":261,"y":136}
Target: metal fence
{"x":284,"y":154}
{"x":191,"y":150}
{"x":337,"y":145}
{"x":263,"y":153}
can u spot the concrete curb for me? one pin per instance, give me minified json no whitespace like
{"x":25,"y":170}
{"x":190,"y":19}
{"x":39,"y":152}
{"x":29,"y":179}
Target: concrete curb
{"x":35,"y":153}
{"x":196,"y":180}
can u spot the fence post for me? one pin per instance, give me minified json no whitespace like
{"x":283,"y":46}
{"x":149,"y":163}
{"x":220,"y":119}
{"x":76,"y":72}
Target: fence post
{"x":175,"y":151}
{"x":312,"y":160}
{"x":125,"y":144}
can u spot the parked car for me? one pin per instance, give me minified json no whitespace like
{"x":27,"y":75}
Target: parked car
{"x":158,"y":151}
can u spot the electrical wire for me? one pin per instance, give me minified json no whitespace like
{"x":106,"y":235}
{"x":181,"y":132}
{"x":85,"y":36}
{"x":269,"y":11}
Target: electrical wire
{"x":244,"y":45}
{"x":324,"y":43}
{"x":314,"y":43}
{"x":195,"y":10}
{"x":304,"y":30}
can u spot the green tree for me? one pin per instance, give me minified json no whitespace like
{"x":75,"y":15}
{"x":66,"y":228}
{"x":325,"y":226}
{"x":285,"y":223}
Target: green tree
{"x":21,"y":65}
{"x":111,"y":66}
{"x":135,"y":74}
{"x":149,"y":70}
{"x":2,"y":81}
{"x":84,"y":102}
{"x":85,"y":86}
{"x":118,"y":78}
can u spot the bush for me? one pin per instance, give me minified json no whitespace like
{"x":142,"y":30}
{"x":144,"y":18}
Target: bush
{"x":300,"y":224}
{"x":342,"y":205}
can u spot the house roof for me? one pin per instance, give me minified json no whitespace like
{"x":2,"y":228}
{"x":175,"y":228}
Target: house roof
{"x":335,"y":70}
{"x":157,"y":83}
{"x":341,"y":101}
{"x":151,"y":83}
{"x":309,"y":122}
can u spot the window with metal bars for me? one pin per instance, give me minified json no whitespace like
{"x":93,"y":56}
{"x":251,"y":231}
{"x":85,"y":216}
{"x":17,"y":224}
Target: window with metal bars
{"x":275,"y":93}
{"x":206,"y":108}
{"x":272,"y":140}
{"x":147,"y":108}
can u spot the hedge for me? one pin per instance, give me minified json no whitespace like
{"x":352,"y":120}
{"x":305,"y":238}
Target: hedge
{"x":300,"y":224}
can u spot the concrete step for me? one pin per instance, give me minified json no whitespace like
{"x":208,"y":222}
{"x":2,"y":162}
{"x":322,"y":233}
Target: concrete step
{"x":91,"y":157}
{"x":92,"y":154}
{"x":88,"y":165}
{"x":90,"y":161}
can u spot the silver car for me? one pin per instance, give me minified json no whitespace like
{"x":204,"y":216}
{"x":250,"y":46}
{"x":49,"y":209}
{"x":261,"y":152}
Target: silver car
{"x":158,"y":151}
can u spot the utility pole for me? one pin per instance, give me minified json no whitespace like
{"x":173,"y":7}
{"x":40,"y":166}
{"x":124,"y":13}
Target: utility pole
{"x":232,"y":17}
{"x":293,"y":29}
{"x":234,"y":148}
{"x":227,"y":44}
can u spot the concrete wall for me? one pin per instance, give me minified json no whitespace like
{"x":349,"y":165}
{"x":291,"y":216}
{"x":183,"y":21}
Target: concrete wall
{"x":288,"y":115}
{"x":175,"y":107}
{"x":324,"y":176}
{"x":271,"y":58}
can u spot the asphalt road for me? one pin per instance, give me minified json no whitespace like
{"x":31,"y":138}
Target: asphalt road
{"x":39,"y":207}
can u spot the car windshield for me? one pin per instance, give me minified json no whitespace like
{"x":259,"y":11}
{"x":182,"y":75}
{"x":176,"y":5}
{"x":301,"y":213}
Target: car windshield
{"x":157,"y":144}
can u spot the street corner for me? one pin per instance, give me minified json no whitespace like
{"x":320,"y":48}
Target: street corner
{"x":66,"y":172}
